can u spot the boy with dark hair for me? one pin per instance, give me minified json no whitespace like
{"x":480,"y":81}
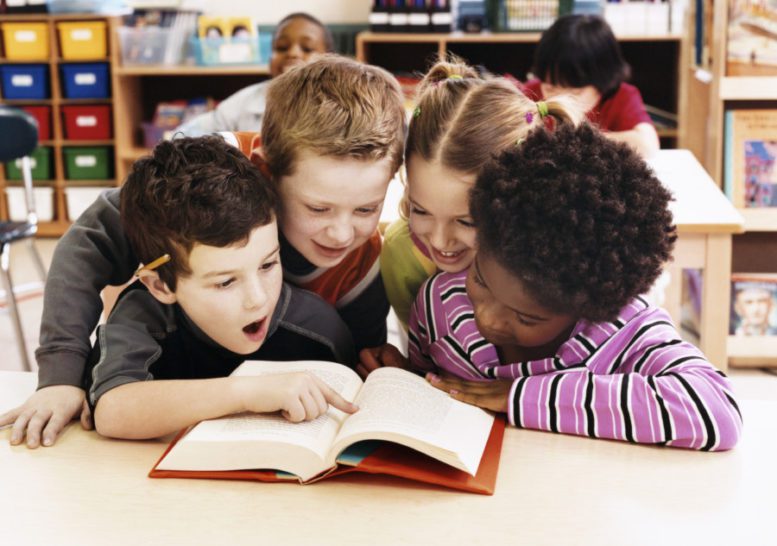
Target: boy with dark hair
{"x":203,"y":220}
{"x":579,"y":55}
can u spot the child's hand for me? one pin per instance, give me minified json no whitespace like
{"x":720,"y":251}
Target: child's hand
{"x":378,"y":357}
{"x":299,"y":396}
{"x":47,"y":412}
{"x":490,"y":395}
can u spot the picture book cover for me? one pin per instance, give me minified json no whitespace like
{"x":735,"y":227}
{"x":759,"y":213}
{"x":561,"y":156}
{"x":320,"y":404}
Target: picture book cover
{"x":753,"y":304}
{"x":752,"y":38}
{"x":751,"y":148}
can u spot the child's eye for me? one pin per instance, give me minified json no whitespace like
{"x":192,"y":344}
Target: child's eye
{"x":225,"y":284}
{"x":466,"y":223}
{"x":366,"y":210}
{"x":269,"y":265}
{"x":418,"y":211}
{"x":317,"y":210}
{"x":524,"y":322}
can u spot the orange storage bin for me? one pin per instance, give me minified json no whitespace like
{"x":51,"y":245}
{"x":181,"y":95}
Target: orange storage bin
{"x":81,"y":40}
{"x":26,"y":41}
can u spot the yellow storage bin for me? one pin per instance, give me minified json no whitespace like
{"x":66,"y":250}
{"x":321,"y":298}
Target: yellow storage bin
{"x":26,"y":41}
{"x":82,"y":40}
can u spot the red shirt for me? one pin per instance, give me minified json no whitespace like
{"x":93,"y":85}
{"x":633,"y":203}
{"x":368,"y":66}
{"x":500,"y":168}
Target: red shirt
{"x":621,"y":112}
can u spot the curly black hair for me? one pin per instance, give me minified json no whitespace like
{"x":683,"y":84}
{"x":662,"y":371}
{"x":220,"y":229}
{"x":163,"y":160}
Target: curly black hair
{"x":580,"y":219}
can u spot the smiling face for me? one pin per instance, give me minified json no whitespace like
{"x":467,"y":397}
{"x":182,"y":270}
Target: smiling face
{"x":295,"y":42}
{"x":439,"y":212}
{"x":331,"y":205}
{"x":232,"y":291}
{"x":508,"y":316}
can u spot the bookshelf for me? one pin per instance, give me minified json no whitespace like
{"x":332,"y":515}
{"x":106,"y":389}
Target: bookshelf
{"x":715,"y":90}
{"x":56,"y":102}
{"x":658,"y":62}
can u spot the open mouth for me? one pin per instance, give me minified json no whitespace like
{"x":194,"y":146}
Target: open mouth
{"x":256,"y":330}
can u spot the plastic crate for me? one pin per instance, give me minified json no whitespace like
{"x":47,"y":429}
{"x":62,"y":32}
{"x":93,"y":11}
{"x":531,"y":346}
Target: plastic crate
{"x":17,"y":203}
{"x":82,"y":40}
{"x":79,"y":198}
{"x":143,"y":45}
{"x":25,"y":81}
{"x":221,"y":51}
{"x":85,"y":81}
{"x":526,"y":15}
{"x":87,"y":122}
{"x":26,"y":41}
{"x":42,"y":115}
{"x":87,"y":163}
{"x":40,"y":160}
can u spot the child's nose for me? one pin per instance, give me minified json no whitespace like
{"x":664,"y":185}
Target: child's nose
{"x":255,"y":295}
{"x":340,"y":233}
{"x":441,"y":236}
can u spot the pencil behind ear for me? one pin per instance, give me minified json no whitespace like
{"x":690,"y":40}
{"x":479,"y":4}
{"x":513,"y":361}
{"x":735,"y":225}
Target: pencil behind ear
{"x":156,"y":286}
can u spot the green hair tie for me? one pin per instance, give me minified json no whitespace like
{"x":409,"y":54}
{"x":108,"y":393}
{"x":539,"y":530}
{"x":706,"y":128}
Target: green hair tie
{"x":455,"y":77}
{"x":417,"y":111}
{"x":542,"y":108}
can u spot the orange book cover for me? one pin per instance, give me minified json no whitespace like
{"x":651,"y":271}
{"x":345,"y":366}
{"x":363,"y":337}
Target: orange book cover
{"x":386,"y":458}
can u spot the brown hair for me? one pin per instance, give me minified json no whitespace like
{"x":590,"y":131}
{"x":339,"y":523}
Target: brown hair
{"x":333,"y":106}
{"x":188,"y":191}
{"x":463,"y":120}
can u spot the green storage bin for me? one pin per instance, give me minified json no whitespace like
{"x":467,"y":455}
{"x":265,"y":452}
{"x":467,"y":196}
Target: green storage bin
{"x":87,"y":163}
{"x":41,"y":165}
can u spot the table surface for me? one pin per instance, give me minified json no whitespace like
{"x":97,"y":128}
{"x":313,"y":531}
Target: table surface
{"x":552,"y":489}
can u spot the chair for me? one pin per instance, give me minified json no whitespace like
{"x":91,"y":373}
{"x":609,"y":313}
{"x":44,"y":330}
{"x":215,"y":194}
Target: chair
{"x":18,"y":138}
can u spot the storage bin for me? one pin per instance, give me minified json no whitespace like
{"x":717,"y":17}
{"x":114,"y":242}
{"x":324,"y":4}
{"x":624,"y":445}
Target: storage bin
{"x":25,"y":81}
{"x":40,"y":160}
{"x":42,"y":115}
{"x":88,"y":122}
{"x":221,"y":51}
{"x":82,"y":40}
{"x":85,"y":81}
{"x":17,"y":204}
{"x":26,"y":41}
{"x":79,"y":198}
{"x":143,"y":45}
{"x":87,"y":163}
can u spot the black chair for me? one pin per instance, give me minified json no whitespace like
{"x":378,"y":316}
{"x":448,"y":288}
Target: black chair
{"x":18,"y":138}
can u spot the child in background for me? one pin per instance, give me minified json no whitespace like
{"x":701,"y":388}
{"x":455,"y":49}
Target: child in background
{"x":579,"y":54}
{"x":332,"y":140}
{"x":296,"y":39}
{"x":548,"y":324}
{"x":216,"y":298}
{"x":461,"y":120}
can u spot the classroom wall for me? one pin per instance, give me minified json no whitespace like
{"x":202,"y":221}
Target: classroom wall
{"x":271,"y":11}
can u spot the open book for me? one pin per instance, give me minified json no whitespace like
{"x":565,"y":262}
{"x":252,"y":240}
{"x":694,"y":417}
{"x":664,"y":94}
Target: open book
{"x":394,"y":405}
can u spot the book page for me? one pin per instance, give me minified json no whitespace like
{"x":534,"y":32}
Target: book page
{"x":251,"y":440}
{"x":397,"y":405}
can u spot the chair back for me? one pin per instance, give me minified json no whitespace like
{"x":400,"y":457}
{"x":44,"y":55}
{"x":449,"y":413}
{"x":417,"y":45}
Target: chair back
{"x":18,"y":139}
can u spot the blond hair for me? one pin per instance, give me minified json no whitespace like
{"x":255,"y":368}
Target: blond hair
{"x":463,"y":120}
{"x":333,"y":106}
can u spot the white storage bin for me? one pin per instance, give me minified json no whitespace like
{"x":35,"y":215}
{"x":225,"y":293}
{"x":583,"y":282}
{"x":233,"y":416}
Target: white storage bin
{"x":17,"y":207}
{"x":79,"y":198}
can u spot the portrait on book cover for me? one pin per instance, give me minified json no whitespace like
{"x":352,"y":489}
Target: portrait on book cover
{"x":753,"y":305}
{"x":760,"y":173}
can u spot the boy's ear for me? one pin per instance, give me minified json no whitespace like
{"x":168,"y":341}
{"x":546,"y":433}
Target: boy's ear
{"x":157,"y":286}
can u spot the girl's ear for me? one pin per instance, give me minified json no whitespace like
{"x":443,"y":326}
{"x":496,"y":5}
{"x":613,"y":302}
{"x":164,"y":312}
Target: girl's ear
{"x":157,"y":286}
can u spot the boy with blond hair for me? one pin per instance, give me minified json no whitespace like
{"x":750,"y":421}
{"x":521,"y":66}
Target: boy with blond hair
{"x":332,"y":140}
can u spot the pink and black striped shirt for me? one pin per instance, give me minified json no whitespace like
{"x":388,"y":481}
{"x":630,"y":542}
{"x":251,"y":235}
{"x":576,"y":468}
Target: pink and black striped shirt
{"x":631,"y":379}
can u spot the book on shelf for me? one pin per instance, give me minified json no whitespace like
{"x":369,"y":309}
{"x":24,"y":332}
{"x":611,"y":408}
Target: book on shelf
{"x":662,"y":119}
{"x":753,"y":304}
{"x":404,"y":427}
{"x":750,"y":152}
{"x":752,"y":38}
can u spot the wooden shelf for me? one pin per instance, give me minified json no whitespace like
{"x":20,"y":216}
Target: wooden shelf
{"x":162,"y":70}
{"x":748,"y":88}
{"x":89,"y":183}
{"x":752,"y":351}
{"x":68,"y":142}
{"x":52,"y":229}
{"x":491,"y":37}
{"x":134,"y":153}
{"x":667,"y":133}
{"x":760,"y":219}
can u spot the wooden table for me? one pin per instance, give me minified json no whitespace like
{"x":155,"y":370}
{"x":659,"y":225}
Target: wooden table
{"x":552,"y":489}
{"x":705,"y":220}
